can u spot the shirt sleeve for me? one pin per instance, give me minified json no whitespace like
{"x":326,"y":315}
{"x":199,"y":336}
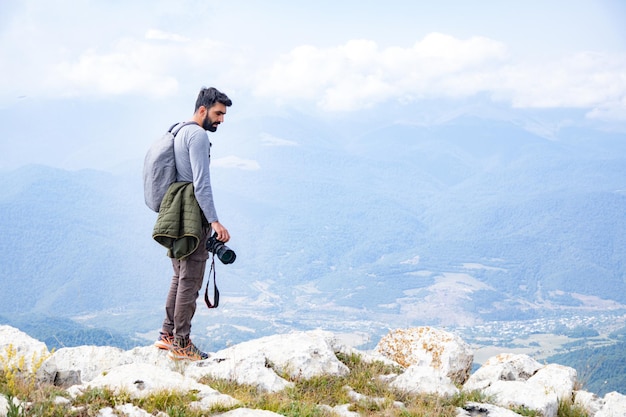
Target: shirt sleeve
{"x":200,"y":159}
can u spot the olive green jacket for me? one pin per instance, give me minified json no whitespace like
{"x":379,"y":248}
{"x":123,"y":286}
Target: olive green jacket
{"x":180,"y":221}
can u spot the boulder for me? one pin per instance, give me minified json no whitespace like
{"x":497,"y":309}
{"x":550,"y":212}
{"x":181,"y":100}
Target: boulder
{"x":260,"y":362}
{"x":503,"y":367}
{"x":83,"y":363}
{"x":589,"y":401}
{"x":427,"y":346}
{"x":21,"y":346}
{"x":142,"y":380}
{"x":556,"y":378}
{"x":614,"y":405}
{"x":524,"y":394}
{"x":424,"y":380}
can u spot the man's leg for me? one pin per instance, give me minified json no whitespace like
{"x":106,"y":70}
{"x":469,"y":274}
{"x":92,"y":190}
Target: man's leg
{"x":187,"y":287}
{"x":170,"y":302}
{"x":190,"y":280}
{"x":190,"y":272}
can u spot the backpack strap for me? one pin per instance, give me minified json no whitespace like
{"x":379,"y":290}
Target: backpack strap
{"x":180,"y":126}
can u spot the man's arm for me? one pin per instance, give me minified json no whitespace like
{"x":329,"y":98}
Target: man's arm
{"x":199,"y":156}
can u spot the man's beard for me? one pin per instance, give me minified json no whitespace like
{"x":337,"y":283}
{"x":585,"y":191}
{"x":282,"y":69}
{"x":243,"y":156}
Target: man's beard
{"x":207,"y":124}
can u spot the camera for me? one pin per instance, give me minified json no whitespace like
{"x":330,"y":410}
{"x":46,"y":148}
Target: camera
{"x":223,"y":252}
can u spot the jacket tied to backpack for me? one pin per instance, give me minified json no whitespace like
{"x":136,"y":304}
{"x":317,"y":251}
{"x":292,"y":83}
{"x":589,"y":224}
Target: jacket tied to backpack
{"x":180,"y":221}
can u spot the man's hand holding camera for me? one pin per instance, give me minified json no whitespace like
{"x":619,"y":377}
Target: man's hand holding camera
{"x":221,"y":232}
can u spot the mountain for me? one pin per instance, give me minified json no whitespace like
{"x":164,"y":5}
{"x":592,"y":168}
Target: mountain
{"x":352,"y":228}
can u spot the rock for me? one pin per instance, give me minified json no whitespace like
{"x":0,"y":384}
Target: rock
{"x":65,"y":379}
{"x":473,"y":409}
{"x":519,"y":380}
{"x":428,"y":356}
{"x":90,"y":361}
{"x":87,"y":361}
{"x":524,"y":394}
{"x":247,"y":412}
{"x":424,"y":380}
{"x":556,"y":378}
{"x":23,"y":345}
{"x":426,"y":346}
{"x":614,"y":405}
{"x":258,"y":362}
{"x":4,"y":405}
{"x":127,"y":410}
{"x":503,"y":367}
{"x":342,"y":410}
{"x":588,"y":401}
{"x":360,"y":398}
{"x":142,"y":380}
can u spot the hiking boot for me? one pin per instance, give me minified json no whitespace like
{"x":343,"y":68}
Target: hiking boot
{"x":165,"y":341}
{"x":184,"y":349}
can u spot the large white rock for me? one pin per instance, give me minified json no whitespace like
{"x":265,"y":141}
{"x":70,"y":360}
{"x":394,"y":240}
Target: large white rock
{"x":427,"y":346}
{"x":252,"y":368}
{"x":23,"y":346}
{"x":141,"y":380}
{"x":91,"y":361}
{"x":502,"y":367}
{"x":424,"y":380}
{"x":524,"y":394}
{"x":556,"y":378}
{"x":588,"y":401}
{"x":614,"y":405}
{"x":258,"y":362}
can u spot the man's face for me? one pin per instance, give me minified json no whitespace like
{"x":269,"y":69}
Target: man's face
{"x":214,"y":116}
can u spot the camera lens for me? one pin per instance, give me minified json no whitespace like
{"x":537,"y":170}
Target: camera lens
{"x":223,"y":252}
{"x":226,"y":255}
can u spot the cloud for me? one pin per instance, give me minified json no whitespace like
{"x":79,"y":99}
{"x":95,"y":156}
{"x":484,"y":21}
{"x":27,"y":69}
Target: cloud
{"x":158,"y":54}
{"x":270,"y":140}
{"x":359,"y":74}
{"x":236,"y":162}
{"x":128,"y":69}
{"x":46,"y":58}
{"x":585,"y":80}
{"x":155,"y":34}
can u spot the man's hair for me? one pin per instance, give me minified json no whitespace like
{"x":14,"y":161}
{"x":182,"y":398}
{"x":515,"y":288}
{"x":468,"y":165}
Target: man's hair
{"x":209,"y":96}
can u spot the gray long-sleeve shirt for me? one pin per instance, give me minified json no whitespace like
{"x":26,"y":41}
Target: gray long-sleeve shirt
{"x":192,"y":150}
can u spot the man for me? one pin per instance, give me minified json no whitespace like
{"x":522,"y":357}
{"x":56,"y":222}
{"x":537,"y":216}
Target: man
{"x":192,"y":153}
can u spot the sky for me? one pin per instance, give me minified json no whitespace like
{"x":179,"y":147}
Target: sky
{"x":90,"y":83}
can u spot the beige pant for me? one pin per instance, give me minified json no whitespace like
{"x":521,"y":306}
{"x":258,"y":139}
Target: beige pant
{"x":180,"y":305}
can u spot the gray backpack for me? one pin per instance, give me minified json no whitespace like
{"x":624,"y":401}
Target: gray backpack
{"x":159,"y":167}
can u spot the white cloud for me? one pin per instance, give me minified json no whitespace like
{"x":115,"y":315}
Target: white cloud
{"x":97,"y":55}
{"x":359,"y":75}
{"x":236,"y":162}
{"x":114,"y":73}
{"x":158,"y":54}
{"x":155,"y":34}
{"x":151,"y":67}
{"x":270,"y":140}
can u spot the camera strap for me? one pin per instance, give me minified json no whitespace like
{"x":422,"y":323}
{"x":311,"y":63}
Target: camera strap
{"x":216,"y":293}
